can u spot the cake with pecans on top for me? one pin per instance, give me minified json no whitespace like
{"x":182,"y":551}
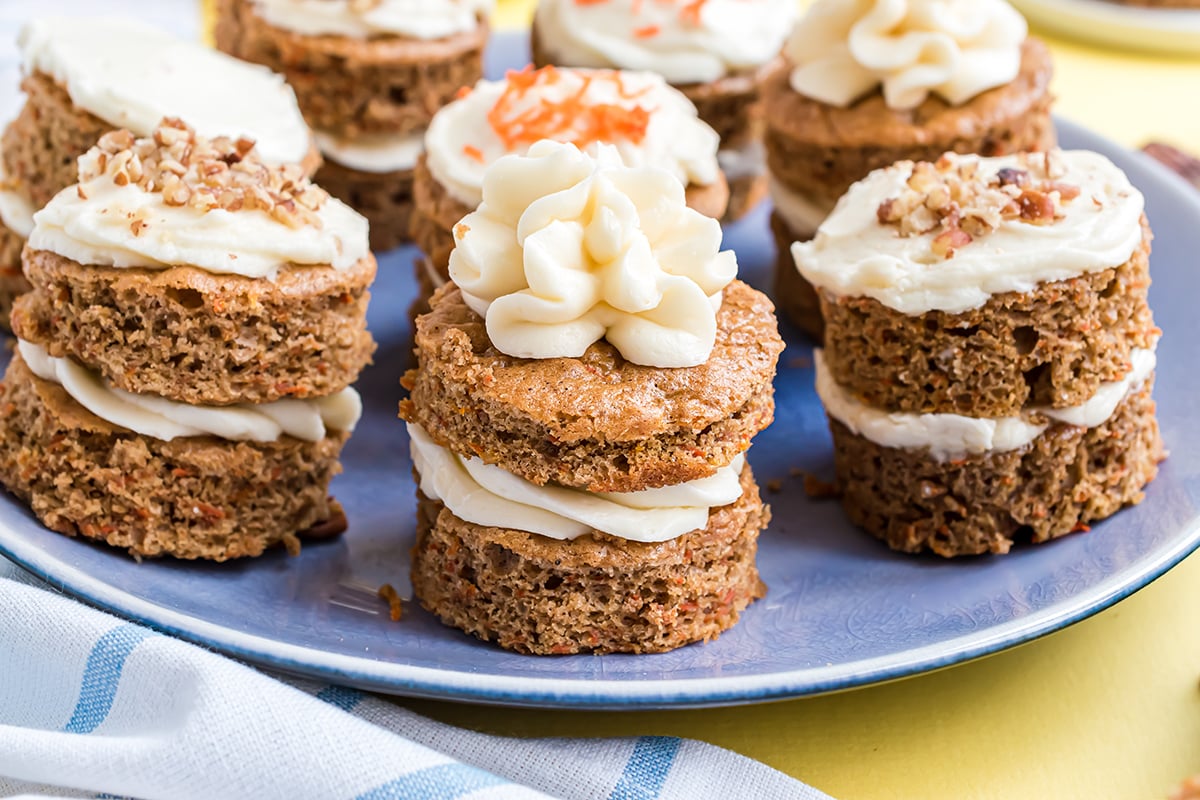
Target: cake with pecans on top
{"x":181,"y":383}
{"x":989,"y":349}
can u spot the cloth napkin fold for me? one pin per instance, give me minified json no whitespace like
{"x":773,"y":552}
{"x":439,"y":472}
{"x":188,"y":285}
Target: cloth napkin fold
{"x":92,"y":706}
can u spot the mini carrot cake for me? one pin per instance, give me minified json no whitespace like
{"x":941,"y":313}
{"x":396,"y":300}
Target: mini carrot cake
{"x":870,"y":83}
{"x":649,"y":122}
{"x":717,"y":52}
{"x":989,"y":349}
{"x":369,"y":75}
{"x":86,"y":77}
{"x":182,"y":378}
{"x":585,"y":392}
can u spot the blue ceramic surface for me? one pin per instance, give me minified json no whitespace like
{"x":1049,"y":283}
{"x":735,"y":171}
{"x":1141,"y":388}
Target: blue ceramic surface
{"x":842,"y":611}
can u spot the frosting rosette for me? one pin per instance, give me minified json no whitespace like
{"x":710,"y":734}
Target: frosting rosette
{"x":361,"y":19}
{"x":685,"y":41}
{"x":956,"y":49}
{"x":568,"y":248}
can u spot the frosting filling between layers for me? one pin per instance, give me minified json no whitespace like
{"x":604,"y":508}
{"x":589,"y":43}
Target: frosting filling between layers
{"x":802,"y":214}
{"x":747,"y":161}
{"x":375,"y":153}
{"x":163,"y":419}
{"x":855,"y":255}
{"x":485,"y":494}
{"x":16,"y":212}
{"x":952,"y":436}
{"x":415,"y":19}
{"x":684,"y":42}
{"x":650,"y":124}
{"x":132,"y":75}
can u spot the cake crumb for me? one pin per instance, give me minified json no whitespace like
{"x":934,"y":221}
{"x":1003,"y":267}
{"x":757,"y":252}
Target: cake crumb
{"x":818,"y":489}
{"x":388,"y":593}
{"x":774,"y":486}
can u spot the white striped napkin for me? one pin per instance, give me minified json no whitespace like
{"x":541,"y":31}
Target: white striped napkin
{"x":91,"y":706}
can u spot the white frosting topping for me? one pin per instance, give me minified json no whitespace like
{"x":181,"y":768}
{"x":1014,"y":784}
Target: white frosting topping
{"x":132,"y":76}
{"x":485,"y":494}
{"x":855,"y":255}
{"x":952,"y":436}
{"x":361,"y":19}
{"x":649,"y":123}
{"x":685,"y":41}
{"x":98,"y":230}
{"x":802,"y":214}
{"x":165,"y":419}
{"x":373,"y":153}
{"x":567,"y":249}
{"x":956,"y":49}
{"x":16,"y":211}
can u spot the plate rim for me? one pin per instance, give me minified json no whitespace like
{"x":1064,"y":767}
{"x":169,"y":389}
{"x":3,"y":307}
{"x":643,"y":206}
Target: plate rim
{"x":1157,"y":30}
{"x":576,"y":693}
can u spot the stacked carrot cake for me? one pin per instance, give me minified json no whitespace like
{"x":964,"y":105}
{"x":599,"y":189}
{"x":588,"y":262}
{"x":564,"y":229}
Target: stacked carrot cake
{"x":86,"y":77}
{"x":649,"y":122}
{"x":989,"y":349}
{"x":717,"y":52}
{"x":585,"y":392}
{"x":872,"y":82}
{"x":181,"y":384}
{"x":369,"y":75}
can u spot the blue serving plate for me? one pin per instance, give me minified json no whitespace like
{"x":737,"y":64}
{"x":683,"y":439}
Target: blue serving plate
{"x":841,"y":611}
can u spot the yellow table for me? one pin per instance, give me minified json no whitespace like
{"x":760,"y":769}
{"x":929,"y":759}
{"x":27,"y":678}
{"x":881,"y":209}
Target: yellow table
{"x":1109,"y":708}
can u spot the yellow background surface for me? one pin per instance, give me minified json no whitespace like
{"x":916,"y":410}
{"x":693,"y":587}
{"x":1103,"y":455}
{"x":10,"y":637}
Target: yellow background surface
{"x":1109,"y":708}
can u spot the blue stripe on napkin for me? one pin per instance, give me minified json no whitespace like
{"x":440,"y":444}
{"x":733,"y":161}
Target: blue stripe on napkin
{"x":443,"y":782}
{"x":102,"y":676}
{"x":647,"y":768}
{"x":341,"y":697}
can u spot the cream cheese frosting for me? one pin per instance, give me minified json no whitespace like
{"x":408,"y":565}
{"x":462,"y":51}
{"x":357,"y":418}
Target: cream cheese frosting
{"x":686,"y":41}
{"x":16,"y":211}
{"x":648,"y":122}
{"x":567,"y":249}
{"x":132,"y":75}
{"x":362,"y":19}
{"x":952,"y":436}
{"x":120,"y":216}
{"x":376,"y":153}
{"x":855,"y":255}
{"x":159,"y":418}
{"x":485,"y":494}
{"x":956,"y":49}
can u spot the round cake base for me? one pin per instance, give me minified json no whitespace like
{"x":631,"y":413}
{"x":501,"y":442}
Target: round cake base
{"x":594,"y":594}
{"x":189,"y":498}
{"x":1063,"y":480}
{"x":794,"y":295}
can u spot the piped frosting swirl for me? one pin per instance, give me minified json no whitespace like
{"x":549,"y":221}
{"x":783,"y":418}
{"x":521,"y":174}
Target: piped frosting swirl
{"x":567,"y":249}
{"x":955,"y":49}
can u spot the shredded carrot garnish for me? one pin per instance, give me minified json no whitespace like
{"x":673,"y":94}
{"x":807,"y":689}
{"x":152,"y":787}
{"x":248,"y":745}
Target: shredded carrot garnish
{"x":524,"y":115}
{"x":647,"y":31}
{"x":388,"y":593}
{"x":473,"y":153}
{"x":463,"y":91}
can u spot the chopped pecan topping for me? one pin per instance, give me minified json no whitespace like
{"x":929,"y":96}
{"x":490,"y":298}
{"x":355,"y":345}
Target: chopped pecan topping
{"x":955,"y":202}
{"x":204,"y":174}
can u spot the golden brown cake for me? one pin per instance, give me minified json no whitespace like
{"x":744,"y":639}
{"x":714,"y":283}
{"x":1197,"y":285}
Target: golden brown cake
{"x":369,"y":77}
{"x":837,"y":112}
{"x":181,"y":383}
{"x":580,"y":412}
{"x":989,"y":350}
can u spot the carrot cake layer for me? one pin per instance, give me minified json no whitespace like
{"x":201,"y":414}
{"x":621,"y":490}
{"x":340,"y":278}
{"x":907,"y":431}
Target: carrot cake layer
{"x":188,"y":268}
{"x":983,"y":286}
